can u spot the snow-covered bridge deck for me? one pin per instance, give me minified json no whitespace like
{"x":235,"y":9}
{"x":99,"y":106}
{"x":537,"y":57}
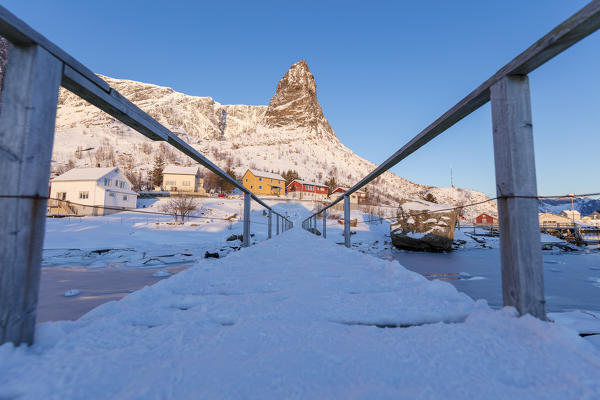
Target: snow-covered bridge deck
{"x":296,"y":317}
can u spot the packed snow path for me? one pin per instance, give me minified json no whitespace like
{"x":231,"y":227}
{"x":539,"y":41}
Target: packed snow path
{"x":300,"y":317}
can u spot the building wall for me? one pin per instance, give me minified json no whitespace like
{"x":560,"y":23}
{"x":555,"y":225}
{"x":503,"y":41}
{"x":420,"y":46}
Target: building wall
{"x":354,"y":197}
{"x":485,"y":219}
{"x":301,"y":192}
{"x":549,"y":219}
{"x":97,"y":195}
{"x":117,"y":199}
{"x":72,"y":189}
{"x":183,"y":183}
{"x":263,"y":186}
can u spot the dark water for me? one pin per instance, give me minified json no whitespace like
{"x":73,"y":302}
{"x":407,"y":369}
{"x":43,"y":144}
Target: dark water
{"x":571,"y":280}
{"x":96,"y":286}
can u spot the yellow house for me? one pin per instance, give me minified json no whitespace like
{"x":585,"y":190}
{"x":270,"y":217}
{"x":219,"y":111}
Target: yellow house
{"x":182,"y":179}
{"x":550,"y":219}
{"x":264,"y":183}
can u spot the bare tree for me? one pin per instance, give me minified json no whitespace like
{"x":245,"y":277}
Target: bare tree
{"x":61,"y":169}
{"x":180,"y":207}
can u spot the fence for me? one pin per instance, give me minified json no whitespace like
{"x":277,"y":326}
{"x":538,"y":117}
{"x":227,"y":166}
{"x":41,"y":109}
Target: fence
{"x":508,"y":92}
{"x":35,"y":70}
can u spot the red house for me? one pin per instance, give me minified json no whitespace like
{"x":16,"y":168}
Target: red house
{"x":359,"y":196}
{"x":485,"y":219}
{"x":303,"y":190}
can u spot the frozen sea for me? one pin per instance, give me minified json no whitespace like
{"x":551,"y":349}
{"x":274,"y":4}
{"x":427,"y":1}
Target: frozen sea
{"x":571,"y":280}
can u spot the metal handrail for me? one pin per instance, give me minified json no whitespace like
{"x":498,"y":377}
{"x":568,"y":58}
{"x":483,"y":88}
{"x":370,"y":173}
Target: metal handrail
{"x":514,"y":162}
{"x":81,"y":81}
{"x":580,"y":25}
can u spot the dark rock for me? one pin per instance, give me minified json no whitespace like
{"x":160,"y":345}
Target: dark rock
{"x":315,"y":231}
{"x":423,"y":226}
{"x":211,"y":255}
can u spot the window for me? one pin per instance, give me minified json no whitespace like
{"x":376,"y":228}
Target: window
{"x":124,"y":197}
{"x":106,"y":182}
{"x":186,"y":183}
{"x":61,"y":195}
{"x":122,"y":185}
{"x":84,"y":195}
{"x":171,"y":183}
{"x":260,"y":187}
{"x":260,"y":179}
{"x":111,"y":194}
{"x":246,"y":179}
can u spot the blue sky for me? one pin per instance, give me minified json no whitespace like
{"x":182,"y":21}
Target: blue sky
{"x":384,"y":70}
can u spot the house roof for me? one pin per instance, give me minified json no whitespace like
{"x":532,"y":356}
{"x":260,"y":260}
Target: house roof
{"x":264,"y":174}
{"x":484,"y":214}
{"x":346,"y":189}
{"x":307,"y":183}
{"x":179,"y":170}
{"x":84,"y":174}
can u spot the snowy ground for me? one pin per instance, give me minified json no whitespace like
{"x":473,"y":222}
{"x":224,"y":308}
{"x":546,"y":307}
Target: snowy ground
{"x":300,"y":317}
{"x":145,"y":240}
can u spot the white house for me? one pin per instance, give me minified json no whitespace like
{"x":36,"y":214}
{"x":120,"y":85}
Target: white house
{"x":571,"y":214}
{"x":91,"y":189}
{"x":183,"y":179}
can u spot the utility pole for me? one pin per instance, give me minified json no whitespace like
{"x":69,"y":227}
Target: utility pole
{"x":572,"y":195}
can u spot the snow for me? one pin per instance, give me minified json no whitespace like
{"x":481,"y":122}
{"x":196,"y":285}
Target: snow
{"x":264,"y":174}
{"x":84,"y":174}
{"x":144,"y":240}
{"x":179,"y":170}
{"x":296,"y":317}
{"x":247,"y":142}
{"x":72,"y":293}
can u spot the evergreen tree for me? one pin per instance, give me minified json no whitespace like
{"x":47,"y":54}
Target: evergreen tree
{"x":331,"y":184}
{"x":157,"y":170}
{"x":289,"y":176}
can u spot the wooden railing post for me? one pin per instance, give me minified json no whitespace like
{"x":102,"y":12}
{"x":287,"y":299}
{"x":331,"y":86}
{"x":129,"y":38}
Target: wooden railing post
{"x":347,"y":221}
{"x":270,"y":224}
{"x":520,"y":247}
{"x":247,"y":208}
{"x":27,"y":119}
{"x":277,"y":224}
{"x":325,"y":224}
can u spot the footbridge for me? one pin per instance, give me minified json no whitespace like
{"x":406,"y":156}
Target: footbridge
{"x":294,"y":316}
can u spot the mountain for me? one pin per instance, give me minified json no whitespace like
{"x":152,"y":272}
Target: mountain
{"x":585,"y":205}
{"x":295,"y":103}
{"x":290,"y":133}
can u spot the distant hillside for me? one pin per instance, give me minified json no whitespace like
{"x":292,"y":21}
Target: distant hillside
{"x":291,"y":133}
{"x":585,"y":205}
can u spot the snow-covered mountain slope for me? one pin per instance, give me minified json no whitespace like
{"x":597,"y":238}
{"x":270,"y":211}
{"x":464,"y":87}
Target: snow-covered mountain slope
{"x":585,"y":205}
{"x":290,"y":133}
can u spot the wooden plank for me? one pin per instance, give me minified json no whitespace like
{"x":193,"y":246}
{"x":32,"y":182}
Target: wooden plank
{"x":18,"y":32}
{"x":580,"y":25}
{"x":270,"y":225}
{"x":27,"y":119}
{"x":520,"y":247}
{"x":247,"y":210}
{"x":347,"y":221}
{"x":324,"y":224}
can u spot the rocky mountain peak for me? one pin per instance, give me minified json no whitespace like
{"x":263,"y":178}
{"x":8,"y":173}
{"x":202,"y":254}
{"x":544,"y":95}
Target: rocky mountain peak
{"x":295,"y":103}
